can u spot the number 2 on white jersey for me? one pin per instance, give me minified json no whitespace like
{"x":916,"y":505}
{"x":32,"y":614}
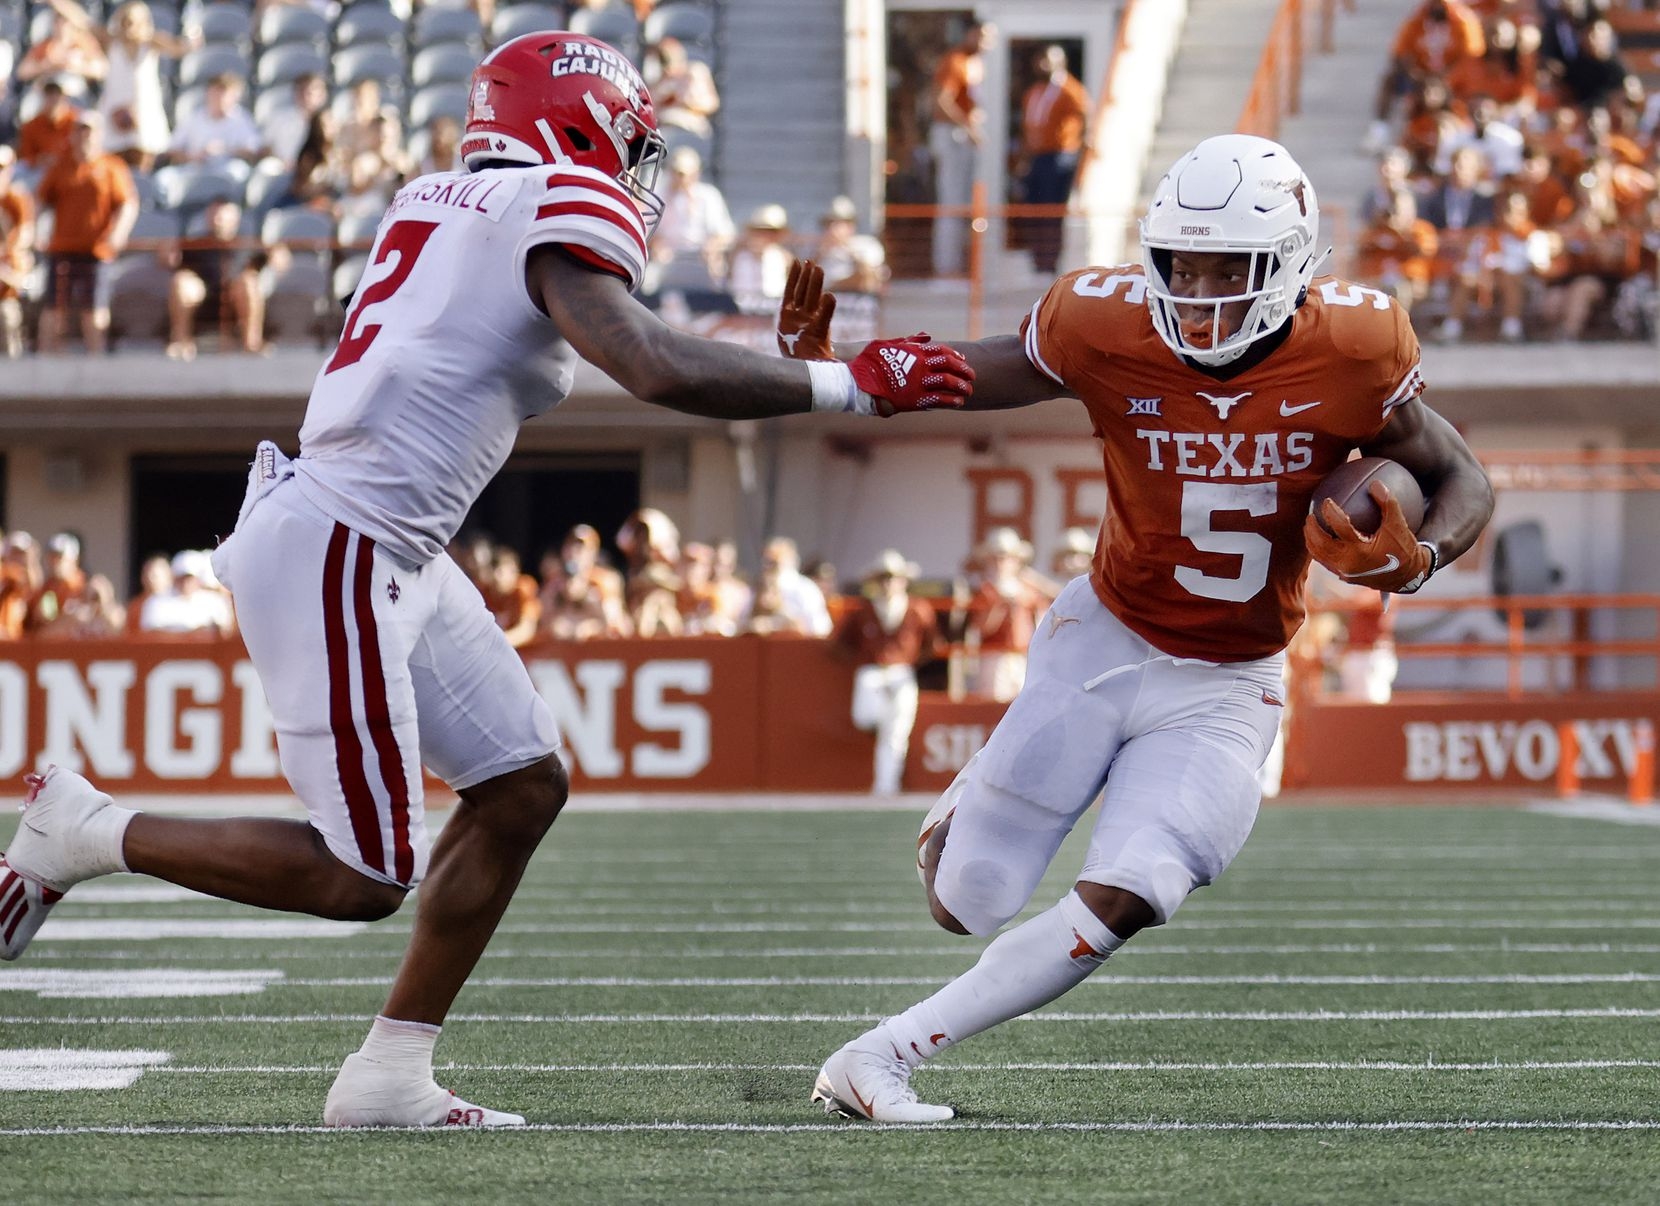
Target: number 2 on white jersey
{"x":1200,"y":503}
{"x":406,"y":240}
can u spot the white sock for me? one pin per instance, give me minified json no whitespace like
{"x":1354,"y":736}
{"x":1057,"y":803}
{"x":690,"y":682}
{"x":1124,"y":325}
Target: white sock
{"x":1028,"y":966}
{"x":107,"y":831}
{"x":406,"y":1044}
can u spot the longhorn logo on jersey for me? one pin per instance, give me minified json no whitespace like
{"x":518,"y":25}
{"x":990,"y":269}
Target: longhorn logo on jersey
{"x":1224,"y":403}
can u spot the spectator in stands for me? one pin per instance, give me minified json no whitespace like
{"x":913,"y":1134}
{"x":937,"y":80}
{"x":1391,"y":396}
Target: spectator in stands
{"x":1075,"y":556}
{"x":288,"y":126}
{"x":1397,"y":251}
{"x":512,"y":597}
{"x":954,"y":139}
{"x":581,"y":598}
{"x":368,"y":188}
{"x":852,"y":262}
{"x":1550,"y":197}
{"x":318,"y":178}
{"x":371,"y":127}
{"x":132,"y":102}
{"x":761,"y":264}
{"x":1508,"y":71}
{"x":769,"y":611}
{"x":197,"y":604}
{"x":93,"y":613}
{"x":732,"y":594}
{"x":799,"y":597}
{"x":1431,"y":119}
{"x":1500,"y":263}
{"x":155,"y":581}
{"x":886,"y":634}
{"x":1563,"y":25}
{"x":1459,"y":208}
{"x":1592,"y":74}
{"x":1054,"y":116}
{"x":1394,"y":168}
{"x":64,"y":580}
{"x":1597,"y":255}
{"x":650,"y":542}
{"x":1498,"y":141}
{"x":1435,"y":39}
{"x":66,"y":51}
{"x":443,"y":147}
{"x":1003,"y":613}
{"x":216,"y":271}
{"x":220,"y":129}
{"x":17,"y":254}
{"x":94,"y":206}
{"x":45,"y":136}
{"x":696,"y":230}
{"x":21,"y":576}
{"x":682,"y":89}
{"x":699,"y":602}
{"x":1364,"y":660}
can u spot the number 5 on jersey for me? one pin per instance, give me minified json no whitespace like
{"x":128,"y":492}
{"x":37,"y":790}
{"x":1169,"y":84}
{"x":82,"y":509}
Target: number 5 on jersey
{"x":406,"y":240}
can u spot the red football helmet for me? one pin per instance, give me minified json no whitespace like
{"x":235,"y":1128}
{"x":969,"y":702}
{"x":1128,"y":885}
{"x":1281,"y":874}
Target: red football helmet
{"x":557,"y":97}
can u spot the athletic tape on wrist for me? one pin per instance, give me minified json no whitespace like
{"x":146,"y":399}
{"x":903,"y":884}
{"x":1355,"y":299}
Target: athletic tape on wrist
{"x":834,"y":389}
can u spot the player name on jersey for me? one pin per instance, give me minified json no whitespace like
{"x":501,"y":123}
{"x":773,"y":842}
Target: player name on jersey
{"x":490,"y":196}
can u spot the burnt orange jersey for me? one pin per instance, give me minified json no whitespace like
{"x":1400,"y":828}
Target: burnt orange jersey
{"x":1208,"y":481}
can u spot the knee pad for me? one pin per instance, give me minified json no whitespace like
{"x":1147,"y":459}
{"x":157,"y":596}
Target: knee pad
{"x":1153,"y":864}
{"x":998,"y":849}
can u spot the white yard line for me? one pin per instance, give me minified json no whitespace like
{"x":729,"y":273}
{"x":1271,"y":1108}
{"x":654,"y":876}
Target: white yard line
{"x":1599,"y":808}
{"x":761,"y":1128}
{"x":1106,"y":981}
{"x":1599,"y":1065}
{"x":747,"y":1019}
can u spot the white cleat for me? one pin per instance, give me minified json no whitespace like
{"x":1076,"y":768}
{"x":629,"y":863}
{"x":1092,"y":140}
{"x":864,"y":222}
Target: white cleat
{"x":864,"y":1080}
{"x":370,"y":1093}
{"x":23,"y":906}
{"x":65,"y":834}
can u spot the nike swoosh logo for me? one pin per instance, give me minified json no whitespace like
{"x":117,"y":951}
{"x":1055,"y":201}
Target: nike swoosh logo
{"x":1394,"y":563}
{"x":1288,"y":410}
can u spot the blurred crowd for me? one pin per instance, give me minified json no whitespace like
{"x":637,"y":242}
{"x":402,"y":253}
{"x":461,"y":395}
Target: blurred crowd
{"x":1516,"y":191}
{"x":185,"y":171}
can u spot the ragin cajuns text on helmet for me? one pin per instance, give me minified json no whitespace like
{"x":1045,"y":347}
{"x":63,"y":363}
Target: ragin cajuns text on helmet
{"x":555,"y":97}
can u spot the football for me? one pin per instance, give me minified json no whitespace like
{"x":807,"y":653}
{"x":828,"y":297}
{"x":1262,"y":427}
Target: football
{"x":1350,"y":482}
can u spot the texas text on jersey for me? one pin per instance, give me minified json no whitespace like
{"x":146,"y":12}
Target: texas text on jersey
{"x":1208,"y":480}
{"x":404,"y":429}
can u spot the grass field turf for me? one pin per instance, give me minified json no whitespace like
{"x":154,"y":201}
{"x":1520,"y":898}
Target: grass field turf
{"x":1373,"y":1006}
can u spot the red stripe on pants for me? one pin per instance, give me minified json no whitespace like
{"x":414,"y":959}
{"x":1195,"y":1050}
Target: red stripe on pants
{"x":13,"y":900}
{"x":377,"y":713}
{"x":348,"y":747}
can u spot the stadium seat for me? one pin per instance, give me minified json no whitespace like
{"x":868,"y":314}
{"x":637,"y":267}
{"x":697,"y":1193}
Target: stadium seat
{"x":296,"y":225}
{"x":284,"y":24}
{"x":196,"y":226}
{"x":368,"y":22}
{"x":346,"y":277}
{"x":201,"y":65}
{"x":11,"y":26}
{"x":296,"y":298}
{"x":40,"y":26}
{"x":433,"y":26}
{"x":692,"y":24}
{"x":510,"y":23}
{"x":675,"y":137}
{"x":367,"y":61}
{"x":266,"y":183}
{"x":224,"y":24}
{"x":186,"y":187}
{"x":614,"y":23}
{"x":446,"y":63}
{"x":438,"y":100}
{"x":153,"y":225}
{"x":139,"y":286}
{"x":271,"y":101}
{"x":185,"y":103}
{"x":359,"y":228}
{"x":284,"y":64}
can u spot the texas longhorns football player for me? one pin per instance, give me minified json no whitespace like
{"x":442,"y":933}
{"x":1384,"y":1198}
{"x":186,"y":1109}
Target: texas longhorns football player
{"x":1224,"y":381}
{"x":483,"y":288}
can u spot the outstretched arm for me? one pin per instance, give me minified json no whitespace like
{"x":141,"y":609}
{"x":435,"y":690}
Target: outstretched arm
{"x":1003,"y":377}
{"x":595,"y":313}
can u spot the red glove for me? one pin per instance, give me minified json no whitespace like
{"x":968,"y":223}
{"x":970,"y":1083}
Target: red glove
{"x":913,"y":374}
{"x":1391,"y":559}
{"x":805,"y":313}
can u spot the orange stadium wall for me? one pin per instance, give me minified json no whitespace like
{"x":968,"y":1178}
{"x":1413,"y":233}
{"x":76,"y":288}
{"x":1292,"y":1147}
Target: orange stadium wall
{"x":711,"y":714}
{"x":1449,"y":744}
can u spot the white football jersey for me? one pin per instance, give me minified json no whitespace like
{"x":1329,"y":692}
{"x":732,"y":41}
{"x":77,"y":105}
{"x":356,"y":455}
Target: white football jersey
{"x":444,"y":355}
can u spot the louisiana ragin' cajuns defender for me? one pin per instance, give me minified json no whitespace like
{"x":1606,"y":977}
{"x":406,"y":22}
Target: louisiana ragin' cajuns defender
{"x":376,"y":654}
{"x":1224,"y":381}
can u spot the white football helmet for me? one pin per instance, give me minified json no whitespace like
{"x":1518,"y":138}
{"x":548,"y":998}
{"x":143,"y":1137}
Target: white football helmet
{"x":1244,"y":195}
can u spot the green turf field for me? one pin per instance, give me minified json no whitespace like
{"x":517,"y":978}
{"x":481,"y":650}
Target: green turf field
{"x":1410,"y":1005}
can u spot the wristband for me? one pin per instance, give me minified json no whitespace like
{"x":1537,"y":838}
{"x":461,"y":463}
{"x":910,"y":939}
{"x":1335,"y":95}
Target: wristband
{"x":834,"y":389}
{"x":1434,"y":564}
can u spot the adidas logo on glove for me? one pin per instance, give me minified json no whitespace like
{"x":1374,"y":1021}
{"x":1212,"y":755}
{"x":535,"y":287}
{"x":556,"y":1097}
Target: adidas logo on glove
{"x":900,"y":363}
